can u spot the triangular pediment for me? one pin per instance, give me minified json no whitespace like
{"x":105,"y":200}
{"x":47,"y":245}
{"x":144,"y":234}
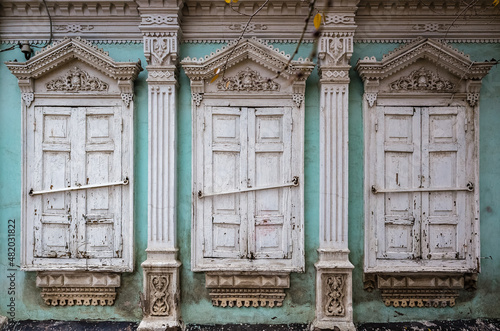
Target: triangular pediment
{"x":253,"y":50}
{"x":67,"y":50}
{"x":431,"y":52}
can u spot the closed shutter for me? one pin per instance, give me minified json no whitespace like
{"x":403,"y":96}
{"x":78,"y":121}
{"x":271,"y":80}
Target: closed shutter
{"x":245,"y":149}
{"x":397,"y":167}
{"x":70,"y":147}
{"x":421,"y":174}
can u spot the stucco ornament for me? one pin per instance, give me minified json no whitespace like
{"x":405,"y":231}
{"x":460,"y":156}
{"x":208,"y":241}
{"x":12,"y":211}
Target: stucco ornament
{"x":159,"y":304}
{"x":76,"y":80}
{"x":248,"y":80}
{"x":422,"y":79}
{"x":336,"y":292}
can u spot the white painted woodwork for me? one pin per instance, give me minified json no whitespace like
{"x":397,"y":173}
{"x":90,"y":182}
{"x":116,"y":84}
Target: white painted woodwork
{"x":421,"y":148}
{"x":72,"y":146}
{"x":333,"y":183}
{"x":161,"y":176}
{"x":241,"y":148}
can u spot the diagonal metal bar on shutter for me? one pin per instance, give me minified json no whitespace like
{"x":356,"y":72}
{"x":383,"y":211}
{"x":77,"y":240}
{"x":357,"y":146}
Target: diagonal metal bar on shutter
{"x":79,"y":187}
{"x":469,"y":188}
{"x":295,"y":182}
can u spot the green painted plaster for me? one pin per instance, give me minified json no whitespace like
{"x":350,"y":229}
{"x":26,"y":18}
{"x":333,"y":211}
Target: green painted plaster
{"x":29,"y":304}
{"x":482,"y":303}
{"x":196,"y":306}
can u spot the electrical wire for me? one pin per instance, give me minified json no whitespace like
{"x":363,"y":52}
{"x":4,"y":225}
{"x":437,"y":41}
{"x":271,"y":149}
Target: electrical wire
{"x":50,"y":21}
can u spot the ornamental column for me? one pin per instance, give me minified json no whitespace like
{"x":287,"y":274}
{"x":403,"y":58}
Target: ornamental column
{"x":160,"y":299}
{"x":333,"y":269}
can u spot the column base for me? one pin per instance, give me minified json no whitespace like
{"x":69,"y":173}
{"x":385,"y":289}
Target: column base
{"x":160,"y":300}
{"x":158,"y":324}
{"x":332,"y":325}
{"x":333,"y":292}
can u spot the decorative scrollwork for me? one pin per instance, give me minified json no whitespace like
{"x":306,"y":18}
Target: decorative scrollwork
{"x":76,"y":80}
{"x":422,"y":79}
{"x":248,"y":80}
{"x":159,"y":295}
{"x":335,"y":296}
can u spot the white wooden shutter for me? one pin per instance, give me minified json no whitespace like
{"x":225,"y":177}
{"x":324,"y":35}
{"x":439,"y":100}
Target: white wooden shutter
{"x":422,"y":151}
{"x":99,"y":209}
{"x":49,"y":166}
{"x":224,"y":167}
{"x":69,"y":147}
{"x":269,"y":163}
{"x":397,"y":166}
{"x":444,"y":214}
{"x":247,"y":148}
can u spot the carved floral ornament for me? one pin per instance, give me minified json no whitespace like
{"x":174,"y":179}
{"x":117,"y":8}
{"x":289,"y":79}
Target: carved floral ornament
{"x":77,"y":80}
{"x":422,"y":80}
{"x":248,"y":80}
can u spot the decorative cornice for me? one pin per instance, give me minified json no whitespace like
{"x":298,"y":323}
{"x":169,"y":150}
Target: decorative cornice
{"x":388,"y":21}
{"x":67,"y":50}
{"x":258,"y":51}
{"x":440,"y":54}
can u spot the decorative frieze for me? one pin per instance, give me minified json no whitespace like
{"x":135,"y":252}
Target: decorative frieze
{"x":248,"y":80}
{"x":73,"y":28}
{"x":247,"y":289}
{"x":159,"y":19}
{"x":415,"y":290}
{"x":77,"y":80}
{"x":78,"y":288}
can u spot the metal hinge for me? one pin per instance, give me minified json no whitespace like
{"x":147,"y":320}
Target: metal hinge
{"x":376,"y":125}
{"x":122,"y":125}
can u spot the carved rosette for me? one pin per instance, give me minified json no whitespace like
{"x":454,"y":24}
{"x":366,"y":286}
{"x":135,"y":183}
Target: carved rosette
{"x":77,"y":80}
{"x":335,"y":294}
{"x":422,"y":80}
{"x":248,"y":80}
{"x":159,"y":302}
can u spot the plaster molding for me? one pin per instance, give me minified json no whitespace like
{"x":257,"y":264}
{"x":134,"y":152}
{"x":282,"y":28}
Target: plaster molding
{"x":335,"y":48}
{"x":76,"y":80}
{"x":247,"y":289}
{"x":371,"y":97}
{"x":248,"y":80}
{"x":78,"y":288}
{"x":336,"y":292}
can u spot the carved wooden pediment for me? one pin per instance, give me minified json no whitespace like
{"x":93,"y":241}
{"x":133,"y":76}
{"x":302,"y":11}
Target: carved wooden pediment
{"x":247,"y":67}
{"x":81,"y":54}
{"x":433,"y":51}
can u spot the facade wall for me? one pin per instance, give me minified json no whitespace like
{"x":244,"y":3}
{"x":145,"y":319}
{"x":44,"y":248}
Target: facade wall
{"x":299,"y":305}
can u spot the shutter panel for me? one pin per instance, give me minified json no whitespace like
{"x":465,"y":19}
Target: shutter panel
{"x":269,"y":160}
{"x":100,"y":208}
{"x":397,"y":167}
{"x":225,"y":170}
{"x":444,"y":166}
{"x":49,"y":159}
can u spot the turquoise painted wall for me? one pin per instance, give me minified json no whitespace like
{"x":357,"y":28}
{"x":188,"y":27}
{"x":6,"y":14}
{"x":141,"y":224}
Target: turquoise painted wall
{"x":28,"y":302}
{"x":483,"y":303}
{"x":300,"y":301}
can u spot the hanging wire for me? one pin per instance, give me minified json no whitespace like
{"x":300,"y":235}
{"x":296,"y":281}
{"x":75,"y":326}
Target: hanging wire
{"x":50,"y":21}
